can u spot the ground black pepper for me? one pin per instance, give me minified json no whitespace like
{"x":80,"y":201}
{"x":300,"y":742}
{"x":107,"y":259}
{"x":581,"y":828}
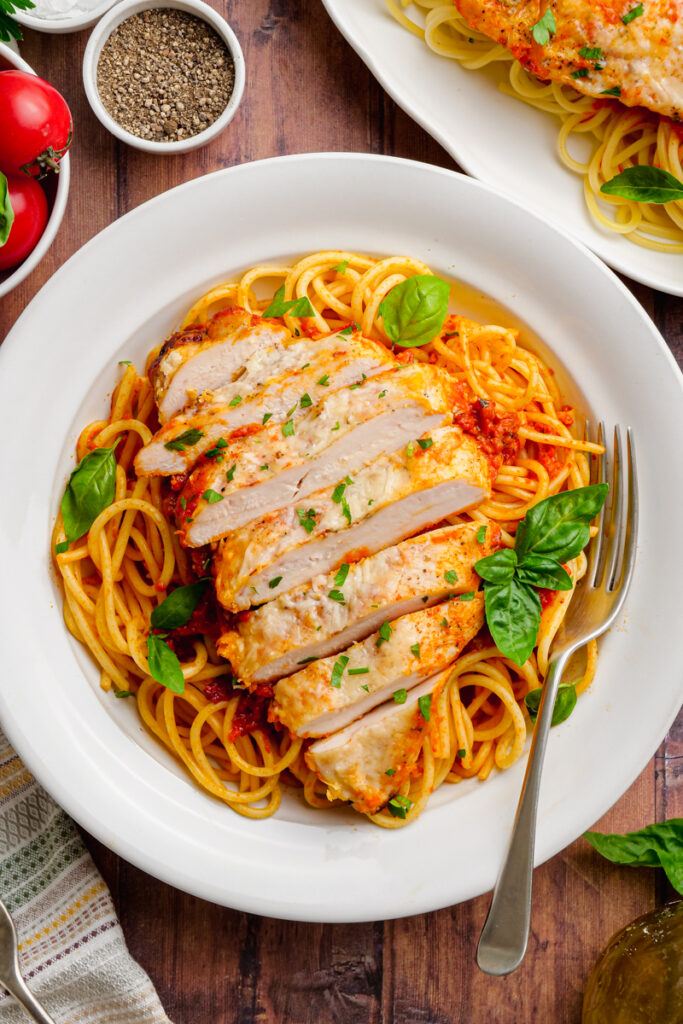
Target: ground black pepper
{"x":165,"y":75}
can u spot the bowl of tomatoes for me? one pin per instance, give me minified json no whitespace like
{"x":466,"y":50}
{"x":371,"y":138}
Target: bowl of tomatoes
{"x":35,"y":134}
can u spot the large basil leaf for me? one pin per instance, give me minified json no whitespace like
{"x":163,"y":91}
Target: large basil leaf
{"x":178,"y":607}
{"x":565,"y":702}
{"x":6,"y":211}
{"x":540,"y":571}
{"x":498,"y":567}
{"x":644,"y":184}
{"x":90,"y":490}
{"x":164,"y":665}
{"x":414,"y":311}
{"x":558,"y":527}
{"x":658,"y":845}
{"x":513,"y":614}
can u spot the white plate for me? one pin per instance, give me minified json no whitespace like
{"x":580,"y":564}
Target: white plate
{"x":495,"y":137}
{"x":116,"y":298}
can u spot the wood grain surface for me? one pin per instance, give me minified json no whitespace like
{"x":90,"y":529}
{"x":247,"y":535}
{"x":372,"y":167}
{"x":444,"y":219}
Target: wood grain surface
{"x":307,"y":91}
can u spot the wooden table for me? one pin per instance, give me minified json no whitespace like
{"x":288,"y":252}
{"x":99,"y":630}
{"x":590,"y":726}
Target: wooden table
{"x":308,"y":91}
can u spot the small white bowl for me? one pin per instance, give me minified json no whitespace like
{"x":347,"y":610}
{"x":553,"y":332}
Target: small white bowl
{"x":57,"y":190}
{"x":112,"y":20}
{"x":69,"y":23}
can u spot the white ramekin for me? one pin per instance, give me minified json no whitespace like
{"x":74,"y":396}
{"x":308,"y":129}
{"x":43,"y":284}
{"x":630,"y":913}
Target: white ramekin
{"x":72,"y":23}
{"x":99,"y":37}
{"x":56,"y":201}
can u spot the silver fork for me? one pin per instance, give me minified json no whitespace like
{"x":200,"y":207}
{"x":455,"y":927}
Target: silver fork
{"x":594,"y":607}
{"x":9,"y":970}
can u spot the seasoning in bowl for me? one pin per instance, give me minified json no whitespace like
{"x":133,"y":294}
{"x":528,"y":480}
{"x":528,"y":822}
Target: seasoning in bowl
{"x":165,"y":75}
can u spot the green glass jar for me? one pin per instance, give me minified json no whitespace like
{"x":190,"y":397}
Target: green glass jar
{"x":638,"y":978}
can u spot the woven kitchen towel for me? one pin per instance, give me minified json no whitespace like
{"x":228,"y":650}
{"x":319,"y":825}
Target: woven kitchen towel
{"x":71,"y":948}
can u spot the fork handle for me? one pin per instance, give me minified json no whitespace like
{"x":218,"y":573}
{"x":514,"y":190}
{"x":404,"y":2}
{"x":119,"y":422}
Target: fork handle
{"x":17,"y":987}
{"x":505,"y":934}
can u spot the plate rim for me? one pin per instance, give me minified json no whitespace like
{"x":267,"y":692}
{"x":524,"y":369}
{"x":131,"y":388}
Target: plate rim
{"x":68,"y":798}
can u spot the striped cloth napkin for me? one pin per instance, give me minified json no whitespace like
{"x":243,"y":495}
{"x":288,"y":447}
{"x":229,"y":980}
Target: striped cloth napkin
{"x":72,"y":952}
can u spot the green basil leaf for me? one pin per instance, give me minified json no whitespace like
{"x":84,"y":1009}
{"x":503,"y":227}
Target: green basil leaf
{"x":164,"y":665}
{"x":565,"y":702}
{"x":658,"y":845}
{"x":414,"y":311}
{"x":184,"y":440}
{"x":91,"y":489}
{"x":61,"y":547}
{"x":498,"y":567}
{"x":513,"y":615}
{"x":544,"y":29}
{"x":295,"y":307}
{"x":539,"y":571}
{"x":6,"y":211}
{"x":178,"y":608}
{"x":644,"y":184}
{"x":558,"y":526}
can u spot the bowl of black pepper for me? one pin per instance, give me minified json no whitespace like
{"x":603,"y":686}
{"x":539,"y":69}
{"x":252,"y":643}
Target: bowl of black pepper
{"x":164,"y":78}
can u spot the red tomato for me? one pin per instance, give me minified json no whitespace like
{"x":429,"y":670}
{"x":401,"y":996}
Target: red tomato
{"x":30,"y":217}
{"x":35,"y":125}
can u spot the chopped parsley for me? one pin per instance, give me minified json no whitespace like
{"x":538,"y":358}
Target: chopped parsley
{"x":263,"y":468}
{"x":614,"y":91}
{"x":450,"y":576}
{"x":346,"y":511}
{"x":359,"y":383}
{"x":305,"y":401}
{"x":461,"y":753}
{"x":399,"y":806}
{"x":336,"y":426}
{"x":212,"y":496}
{"x":290,"y":411}
{"x":306,"y":661}
{"x":230,"y":475}
{"x":591,"y":52}
{"x":544,"y":28}
{"x":324,"y":380}
{"x":336,"y":595}
{"x":342,"y":573}
{"x":365,"y":687}
{"x":469,"y":596}
{"x":273,"y":583}
{"x":400,"y":696}
{"x":444,"y":623}
{"x":425,"y":443}
{"x":631,"y":15}
{"x":338,"y":493}
{"x":390,"y":771}
{"x":124,"y":693}
{"x":581,"y":73}
{"x":385,"y":632}
{"x":125,"y":362}
{"x":358,"y":671}
{"x":415,"y":651}
{"x":305,"y":366}
{"x":425,"y":705}
{"x":288,"y":428}
{"x":306,"y":518}
{"x":481,"y":535}
{"x":341,"y":267}
{"x":350,"y":329}
{"x":183,"y":503}
{"x":338,"y":670}
{"x":237,"y":400}
{"x":382,"y":393}
{"x":266,"y":417}
{"x":410,"y":449}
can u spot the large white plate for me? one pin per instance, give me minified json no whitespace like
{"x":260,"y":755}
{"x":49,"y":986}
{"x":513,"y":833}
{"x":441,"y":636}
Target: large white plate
{"x":495,"y":137}
{"x":117,"y":297}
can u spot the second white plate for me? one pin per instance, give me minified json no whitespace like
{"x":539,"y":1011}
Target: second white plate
{"x":494,"y":137}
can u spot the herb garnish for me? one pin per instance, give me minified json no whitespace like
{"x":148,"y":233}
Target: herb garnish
{"x":469,"y":596}
{"x":342,"y":573}
{"x":230,"y":475}
{"x":61,"y":547}
{"x":237,"y":400}
{"x":212,"y":496}
{"x":341,"y":267}
{"x":565,"y":702}
{"x":184,"y":440}
{"x":306,"y":518}
{"x":614,"y":91}
{"x":336,"y":595}
{"x":338,"y":670}
{"x":635,"y":12}
{"x":324,"y":380}
{"x":273,"y":583}
{"x":305,"y":401}
{"x":425,"y":443}
{"x":552,"y":532}
{"x":414,"y":311}
{"x":8,"y":26}
{"x":358,"y":671}
{"x":591,"y":52}
{"x":125,"y":693}
{"x":580,"y":73}
{"x":415,"y":651}
{"x":400,"y":696}
{"x":658,"y":845}
{"x":178,"y":608}
{"x":91,"y":489}
{"x":481,"y":535}
{"x":450,"y":576}
{"x":266,"y":417}
{"x":644,"y":184}
{"x":295,"y":307}
{"x":385,"y":632}
{"x":390,"y":771}
{"x":288,"y":428}
{"x":399,"y":806}
{"x":544,"y":28}
{"x":163,"y":664}
{"x":425,"y":705}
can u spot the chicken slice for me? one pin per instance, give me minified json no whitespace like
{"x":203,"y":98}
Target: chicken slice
{"x":202,"y":358}
{"x":279,"y":464}
{"x":592,"y":49}
{"x":369,"y":760}
{"x":397,"y":496}
{"x":270,"y":386}
{"x":328,"y":694}
{"x":337,"y":609}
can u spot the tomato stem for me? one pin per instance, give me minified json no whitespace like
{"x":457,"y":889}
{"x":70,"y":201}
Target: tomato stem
{"x":48,"y":160}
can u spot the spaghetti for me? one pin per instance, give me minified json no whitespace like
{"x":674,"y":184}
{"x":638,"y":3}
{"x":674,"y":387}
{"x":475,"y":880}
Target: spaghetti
{"x":621,"y":137}
{"x":118,"y":572}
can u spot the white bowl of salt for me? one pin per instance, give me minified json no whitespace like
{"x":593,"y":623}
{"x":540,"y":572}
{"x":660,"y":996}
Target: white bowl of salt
{"x":63,"y":15}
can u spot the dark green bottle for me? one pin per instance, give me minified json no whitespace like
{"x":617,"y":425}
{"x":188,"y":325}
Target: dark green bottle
{"x":638,"y":978}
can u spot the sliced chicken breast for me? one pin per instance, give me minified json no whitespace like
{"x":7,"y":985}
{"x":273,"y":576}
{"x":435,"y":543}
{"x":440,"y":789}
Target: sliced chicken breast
{"x":339,"y":608}
{"x":270,"y":387}
{"x":369,"y":760}
{"x":397,"y":496}
{"x":329,"y":694}
{"x":203,"y":358}
{"x":621,"y":47}
{"x":283,"y":463}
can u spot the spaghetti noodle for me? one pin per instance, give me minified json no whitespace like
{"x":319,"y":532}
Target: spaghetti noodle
{"x":621,"y":136}
{"x":117,"y":573}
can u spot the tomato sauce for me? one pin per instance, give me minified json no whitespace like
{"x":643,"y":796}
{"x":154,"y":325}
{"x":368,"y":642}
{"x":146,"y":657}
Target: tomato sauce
{"x":496,"y":432}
